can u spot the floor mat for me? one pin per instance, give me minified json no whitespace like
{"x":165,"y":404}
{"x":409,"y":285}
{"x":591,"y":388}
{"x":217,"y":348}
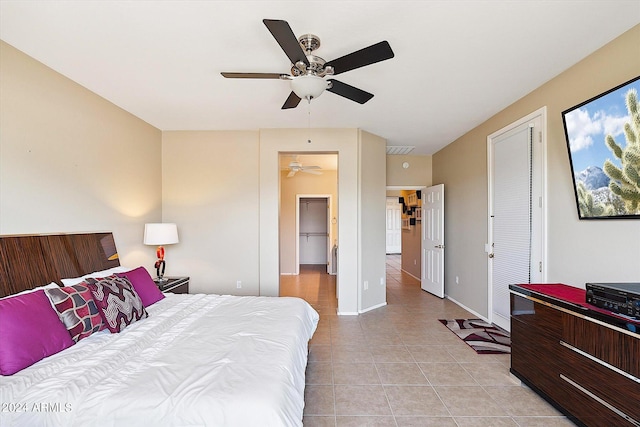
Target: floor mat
{"x":483,"y":337}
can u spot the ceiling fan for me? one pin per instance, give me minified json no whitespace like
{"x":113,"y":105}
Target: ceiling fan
{"x":296,"y":166}
{"x":308,"y":71}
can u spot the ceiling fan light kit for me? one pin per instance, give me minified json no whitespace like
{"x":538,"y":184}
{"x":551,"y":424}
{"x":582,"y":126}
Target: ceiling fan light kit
{"x":308,"y":71}
{"x":309,"y":86}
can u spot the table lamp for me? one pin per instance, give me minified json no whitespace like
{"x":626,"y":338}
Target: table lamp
{"x":160,"y":234}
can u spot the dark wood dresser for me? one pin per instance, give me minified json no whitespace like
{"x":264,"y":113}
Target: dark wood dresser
{"x":580,"y":358}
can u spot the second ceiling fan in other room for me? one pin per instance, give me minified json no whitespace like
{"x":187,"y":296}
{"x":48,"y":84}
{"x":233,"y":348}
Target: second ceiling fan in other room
{"x":296,"y":166}
{"x":308,"y":71}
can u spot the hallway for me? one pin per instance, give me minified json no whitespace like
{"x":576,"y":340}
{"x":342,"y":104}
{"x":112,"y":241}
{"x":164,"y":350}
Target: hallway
{"x":398,"y":366}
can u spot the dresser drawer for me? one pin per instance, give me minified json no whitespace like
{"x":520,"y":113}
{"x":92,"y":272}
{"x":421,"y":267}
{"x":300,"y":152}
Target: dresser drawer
{"x":604,"y":383}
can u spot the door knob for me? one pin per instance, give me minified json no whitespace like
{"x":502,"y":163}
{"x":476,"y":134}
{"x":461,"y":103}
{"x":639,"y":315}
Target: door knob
{"x":491,"y":255}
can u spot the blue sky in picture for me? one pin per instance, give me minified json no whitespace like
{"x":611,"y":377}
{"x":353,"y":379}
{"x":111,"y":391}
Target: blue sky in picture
{"x":588,"y":125}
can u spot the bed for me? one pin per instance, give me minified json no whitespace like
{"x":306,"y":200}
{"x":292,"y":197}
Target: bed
{"x":196,"y":360}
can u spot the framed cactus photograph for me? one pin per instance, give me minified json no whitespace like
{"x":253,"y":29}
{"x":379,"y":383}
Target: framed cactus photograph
{"x":603,"y":139}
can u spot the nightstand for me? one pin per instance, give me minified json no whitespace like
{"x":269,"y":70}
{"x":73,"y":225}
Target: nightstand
{"x":175,"y":285}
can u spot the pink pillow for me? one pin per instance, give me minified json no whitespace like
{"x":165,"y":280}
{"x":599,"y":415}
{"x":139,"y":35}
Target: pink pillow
{"x":118,"y":302}
{"x":77,"y":310}
{"x":30,"y":330}
{"x":144,"y":285}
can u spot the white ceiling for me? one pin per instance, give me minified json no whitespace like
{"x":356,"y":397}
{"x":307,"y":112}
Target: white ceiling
{"x":456,"y":63}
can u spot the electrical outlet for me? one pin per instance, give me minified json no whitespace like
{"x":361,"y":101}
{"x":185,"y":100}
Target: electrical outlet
{"x":457,"y":280}
{"x":239,"y":284}
{"x":382,"y":281}
{"x":366,"y":285}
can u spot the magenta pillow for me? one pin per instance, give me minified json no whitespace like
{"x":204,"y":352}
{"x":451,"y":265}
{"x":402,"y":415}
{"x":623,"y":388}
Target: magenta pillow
{"x":77,"y":310}
{"x":144,"y":285}
{"x":118,"y":302}
{"x":30,"y":330}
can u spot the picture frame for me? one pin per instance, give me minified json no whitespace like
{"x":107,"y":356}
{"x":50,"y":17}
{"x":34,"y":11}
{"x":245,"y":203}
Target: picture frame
{"x":597,"y":144}
{"x":406,"y":224}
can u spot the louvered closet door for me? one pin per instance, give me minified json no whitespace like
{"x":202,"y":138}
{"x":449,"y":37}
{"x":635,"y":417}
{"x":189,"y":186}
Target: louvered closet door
{"x":511,"y":217}
{"x":517,"y":217}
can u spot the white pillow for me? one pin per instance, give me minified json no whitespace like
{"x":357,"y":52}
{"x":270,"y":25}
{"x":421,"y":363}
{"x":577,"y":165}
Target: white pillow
{"x":98,"y":274}
{"x":51,"y":285}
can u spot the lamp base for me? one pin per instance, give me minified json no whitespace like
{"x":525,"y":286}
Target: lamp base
{"x":160,"y":270}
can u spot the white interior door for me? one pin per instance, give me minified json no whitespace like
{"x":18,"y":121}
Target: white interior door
{"x":516,"y":214}
{"x":432,"y":279}
{"x":394,"y":223}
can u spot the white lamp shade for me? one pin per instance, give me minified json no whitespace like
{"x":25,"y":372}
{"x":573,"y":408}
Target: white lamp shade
{"x":160,"y":234}
{"x":308,"y":86}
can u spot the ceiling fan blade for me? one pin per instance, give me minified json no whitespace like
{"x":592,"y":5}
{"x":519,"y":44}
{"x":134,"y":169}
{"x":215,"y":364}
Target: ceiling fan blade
{"x":311,"y":167}
{"x":360,"y":58}
{"x":292,"y":101}
{"x":283,"y":34}
{"x":349,"y":92}
{"x":312,"y":172}
{"x":254,"y":75}
{"x":291,"y":173}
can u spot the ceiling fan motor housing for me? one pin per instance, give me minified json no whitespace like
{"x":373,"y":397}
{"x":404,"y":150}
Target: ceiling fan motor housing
{"x":309,"y":43}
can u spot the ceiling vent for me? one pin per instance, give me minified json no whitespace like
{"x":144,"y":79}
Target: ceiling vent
{"x":400,"y":149}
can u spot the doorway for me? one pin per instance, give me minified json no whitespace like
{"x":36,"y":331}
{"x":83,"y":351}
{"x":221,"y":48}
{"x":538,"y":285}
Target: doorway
{"x":517,"y":213}
{"x":410,"y":199}
{"x":313,"y":226}
{"x":308,"y":212}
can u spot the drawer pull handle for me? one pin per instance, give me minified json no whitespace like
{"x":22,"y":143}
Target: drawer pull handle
{"x":600,"y":362}
{"x":601,"y":401}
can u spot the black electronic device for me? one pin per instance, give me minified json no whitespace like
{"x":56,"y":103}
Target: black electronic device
{"x":621,"y":298}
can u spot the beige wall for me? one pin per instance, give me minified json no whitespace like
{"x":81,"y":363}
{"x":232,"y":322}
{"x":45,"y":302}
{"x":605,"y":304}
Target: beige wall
{"x":210,"y":189}
{"x":223,"y":189}
{"x":372,"y":221}
{"x":307,"y":184}
{"x":418,"y":173}
{"x":70,"y":161}
{"x":578,"y":251}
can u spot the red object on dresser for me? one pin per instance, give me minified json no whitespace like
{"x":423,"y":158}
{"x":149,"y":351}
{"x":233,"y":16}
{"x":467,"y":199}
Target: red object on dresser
{"x":572,"y":295}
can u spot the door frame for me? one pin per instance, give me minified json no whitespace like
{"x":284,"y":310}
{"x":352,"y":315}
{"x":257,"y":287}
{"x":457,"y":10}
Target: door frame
{"x":330,"y":235}
{"x":542,"y":226}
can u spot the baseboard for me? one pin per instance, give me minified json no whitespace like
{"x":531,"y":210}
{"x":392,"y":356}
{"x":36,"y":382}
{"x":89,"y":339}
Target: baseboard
{"x":406,"y":272}
{"x":373,"y":308}
{"x":347,"y":313}
{"x":467,"y":308}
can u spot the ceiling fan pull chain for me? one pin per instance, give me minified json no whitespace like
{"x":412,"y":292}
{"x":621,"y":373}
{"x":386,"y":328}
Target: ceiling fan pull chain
{"x":309,"y":124}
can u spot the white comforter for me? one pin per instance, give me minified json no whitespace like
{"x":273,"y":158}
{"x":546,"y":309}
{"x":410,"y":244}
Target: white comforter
{"x":197,"y":360}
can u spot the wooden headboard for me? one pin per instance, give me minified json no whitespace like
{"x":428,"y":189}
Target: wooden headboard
{"x":28,"y":261}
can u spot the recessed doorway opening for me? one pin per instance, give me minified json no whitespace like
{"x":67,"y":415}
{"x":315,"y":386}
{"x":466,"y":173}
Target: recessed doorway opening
{"x":308,"y":225}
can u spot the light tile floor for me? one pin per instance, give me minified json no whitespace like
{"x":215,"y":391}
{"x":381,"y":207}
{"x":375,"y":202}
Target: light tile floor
{"x":398,"y":366}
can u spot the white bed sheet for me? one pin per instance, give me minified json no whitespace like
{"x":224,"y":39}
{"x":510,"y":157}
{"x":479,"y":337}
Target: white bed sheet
{"x":197,"y":360}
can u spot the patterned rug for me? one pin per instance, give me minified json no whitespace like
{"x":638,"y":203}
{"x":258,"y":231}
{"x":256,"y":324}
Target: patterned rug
{"x":481,"y":336}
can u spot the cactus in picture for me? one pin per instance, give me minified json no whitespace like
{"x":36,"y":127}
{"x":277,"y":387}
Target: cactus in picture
{"x":625,"y":180}
{"x":590,"y":207}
